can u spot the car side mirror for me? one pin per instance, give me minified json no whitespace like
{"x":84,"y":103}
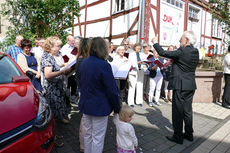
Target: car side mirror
{"x":20,"y":78}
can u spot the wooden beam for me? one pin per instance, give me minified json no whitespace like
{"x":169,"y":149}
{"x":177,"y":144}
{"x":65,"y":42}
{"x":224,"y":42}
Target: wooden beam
{"x":124,"y":34}
{"x":93,"y":4}
{"x":186,"y":15}
{"x":79,"y":26}
{"x":153,"y":23}
{"x":111,"y":21}
{"x":158,"y":19}
{"x":85,"y":18}
{"x":132,"y":26}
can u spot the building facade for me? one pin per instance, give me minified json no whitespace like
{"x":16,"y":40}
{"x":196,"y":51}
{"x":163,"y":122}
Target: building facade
{"x":140,"y":20}
{"x":4,"y":24}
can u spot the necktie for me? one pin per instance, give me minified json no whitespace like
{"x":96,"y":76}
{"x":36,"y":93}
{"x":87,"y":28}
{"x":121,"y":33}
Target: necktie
{"x":138,"y":59}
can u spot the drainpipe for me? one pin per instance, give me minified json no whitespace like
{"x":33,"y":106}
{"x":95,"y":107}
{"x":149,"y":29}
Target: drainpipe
{"x":139,"y":22}
{"x":143,"y":23}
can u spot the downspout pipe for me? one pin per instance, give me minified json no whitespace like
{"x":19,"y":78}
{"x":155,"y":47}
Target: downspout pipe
{"x":139,"y":22}
{"x":143,"y":23}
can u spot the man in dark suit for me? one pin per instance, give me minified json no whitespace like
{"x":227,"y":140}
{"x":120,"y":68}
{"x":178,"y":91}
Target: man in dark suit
{"x":182,"y":82}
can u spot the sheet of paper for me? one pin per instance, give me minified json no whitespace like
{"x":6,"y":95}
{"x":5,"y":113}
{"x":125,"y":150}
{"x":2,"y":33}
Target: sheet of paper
{"x":70,"y":65}
{"x":121,"y":71}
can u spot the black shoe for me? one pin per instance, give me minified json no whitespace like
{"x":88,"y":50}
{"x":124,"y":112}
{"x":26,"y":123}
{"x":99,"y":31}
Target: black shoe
{"x":173,"y":139}
{"x":188,"y":137}
{"x":226,"y":106}
{"x":132,"y":106}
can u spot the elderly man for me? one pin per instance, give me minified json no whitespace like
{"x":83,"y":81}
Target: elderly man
{"x":66,"y":50}
{"x":14,"y":50}
{"x":182,"y":81}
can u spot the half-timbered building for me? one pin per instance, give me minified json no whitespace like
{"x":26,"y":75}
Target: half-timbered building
{"x":140,"y":20}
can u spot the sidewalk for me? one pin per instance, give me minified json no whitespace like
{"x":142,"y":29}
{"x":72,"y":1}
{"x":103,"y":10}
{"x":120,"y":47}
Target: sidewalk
{"x":152,"y":124}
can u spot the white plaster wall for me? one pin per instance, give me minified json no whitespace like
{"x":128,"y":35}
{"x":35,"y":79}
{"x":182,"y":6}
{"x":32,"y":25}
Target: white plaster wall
{"x":207,"y":44}
{"x":133,"y":39}
{"x":123,"y":23}
{"x":98,"y":11}
{"x":117,"y":41}
{"x":154,"y":2}
{"x":151,"y":30}
{"x":219,"y":51}
{"x":98,"y":29}
{"x":77,"y":31}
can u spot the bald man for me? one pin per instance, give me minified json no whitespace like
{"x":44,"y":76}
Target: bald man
{"x":68,"y":47}
{"x":15,"y":49}
{"x":66,"y":50}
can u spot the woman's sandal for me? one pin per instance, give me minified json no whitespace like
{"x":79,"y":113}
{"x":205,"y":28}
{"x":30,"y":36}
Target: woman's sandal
{"x":59,"y":144}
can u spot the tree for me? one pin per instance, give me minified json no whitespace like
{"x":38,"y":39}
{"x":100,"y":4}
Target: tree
{"x":221,"y":11}
{"x":39,"y":18}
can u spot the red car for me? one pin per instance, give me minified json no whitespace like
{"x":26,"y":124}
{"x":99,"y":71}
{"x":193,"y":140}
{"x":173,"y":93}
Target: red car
{"x":26,"y":122}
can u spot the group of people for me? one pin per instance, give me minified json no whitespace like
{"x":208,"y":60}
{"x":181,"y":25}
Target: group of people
{"x":145,"y":78}
{"x":100,"y":93}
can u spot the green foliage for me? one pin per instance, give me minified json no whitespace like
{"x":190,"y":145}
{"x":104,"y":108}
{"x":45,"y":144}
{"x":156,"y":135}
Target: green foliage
{"x":39,"y":18}
{"x":221,"y":11}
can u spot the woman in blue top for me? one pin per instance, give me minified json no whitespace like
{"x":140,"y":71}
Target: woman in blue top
{"x":99,"y":95}
{"x":155,"y":79}
{"x":30,"y":64}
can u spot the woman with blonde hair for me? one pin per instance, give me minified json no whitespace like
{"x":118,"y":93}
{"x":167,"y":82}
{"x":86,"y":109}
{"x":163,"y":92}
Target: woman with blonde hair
{"x":126,"y":138}
{"x":53,"y":78}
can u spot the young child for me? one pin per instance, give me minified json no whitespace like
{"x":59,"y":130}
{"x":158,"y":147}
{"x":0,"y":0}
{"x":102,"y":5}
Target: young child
{"x":126,"y":138}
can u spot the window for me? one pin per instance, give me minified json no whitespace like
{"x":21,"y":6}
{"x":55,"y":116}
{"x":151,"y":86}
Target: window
{"x":120,"y":5}
{"x":8,"y":69}
{"x":176,"y":3}
{"x":214,"y":28}
{"x":193,"y":14}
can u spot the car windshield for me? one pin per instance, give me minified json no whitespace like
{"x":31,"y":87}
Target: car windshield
{"x":7,"y":69}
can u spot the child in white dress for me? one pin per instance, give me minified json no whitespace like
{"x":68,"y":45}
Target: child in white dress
{"x":126,"y":138}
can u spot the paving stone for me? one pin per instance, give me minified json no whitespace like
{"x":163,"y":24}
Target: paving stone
{"x":151,"y":126}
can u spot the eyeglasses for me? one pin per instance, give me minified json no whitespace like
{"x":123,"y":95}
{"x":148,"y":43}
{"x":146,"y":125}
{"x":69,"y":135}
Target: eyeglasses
{"x":126,"y":44}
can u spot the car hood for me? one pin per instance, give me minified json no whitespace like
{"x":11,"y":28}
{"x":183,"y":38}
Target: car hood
{"x":18,"y":105}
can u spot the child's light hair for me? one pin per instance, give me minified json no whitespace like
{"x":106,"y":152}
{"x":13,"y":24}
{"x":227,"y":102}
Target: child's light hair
{"x":125,"y":112}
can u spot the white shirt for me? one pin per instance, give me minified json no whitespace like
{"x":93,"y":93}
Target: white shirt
{"x":38,"y":51}
{"x":226,"y":64}
{"x":66,"y":50}
{"x":133,"y":60}
{"x":126,"y":138}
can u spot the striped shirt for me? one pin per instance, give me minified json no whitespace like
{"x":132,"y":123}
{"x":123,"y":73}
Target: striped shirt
{"x":13,"y":51}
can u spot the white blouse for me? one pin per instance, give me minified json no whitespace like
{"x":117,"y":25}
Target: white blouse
{"x":126,"y":138}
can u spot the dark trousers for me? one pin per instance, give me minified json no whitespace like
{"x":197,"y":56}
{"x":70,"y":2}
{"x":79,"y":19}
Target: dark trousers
{"x":72,"y":85}
{"x":226,"y":95}
{"x":182,"y":111}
